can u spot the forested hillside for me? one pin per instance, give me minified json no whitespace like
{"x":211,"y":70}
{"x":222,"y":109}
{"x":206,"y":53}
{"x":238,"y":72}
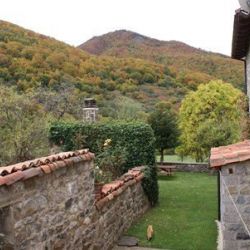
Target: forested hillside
{"x":142,"y":69}
{"x":43,"y":80}
{"x":30,"y":61}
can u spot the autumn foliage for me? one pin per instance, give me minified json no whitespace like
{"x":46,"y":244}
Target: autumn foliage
{"x":141,"y":68}
{"x":212,"y":116}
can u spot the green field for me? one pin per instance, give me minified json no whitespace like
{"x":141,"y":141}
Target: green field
{"x":185,"y":217}
{"x":176,"y":159}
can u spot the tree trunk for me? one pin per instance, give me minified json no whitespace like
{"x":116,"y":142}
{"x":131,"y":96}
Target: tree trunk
{"x":162,"y":156}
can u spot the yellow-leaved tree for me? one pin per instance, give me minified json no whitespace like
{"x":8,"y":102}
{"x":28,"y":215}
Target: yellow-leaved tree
{"x":212,"y":116}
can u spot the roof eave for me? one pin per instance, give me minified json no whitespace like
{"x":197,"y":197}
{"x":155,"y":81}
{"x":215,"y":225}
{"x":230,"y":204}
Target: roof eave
{"x":241,"y":35}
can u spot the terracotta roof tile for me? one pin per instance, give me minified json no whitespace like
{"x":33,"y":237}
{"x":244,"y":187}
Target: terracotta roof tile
{"x":29,"y":173}
{"x":2,"y":180}
{"x":109,"y":191}
{"x":14,"y":177}
{"x":230,"y":154}
{"x":46,"y":169}
{"x":28,"y":169}
{"x":53,"y":166}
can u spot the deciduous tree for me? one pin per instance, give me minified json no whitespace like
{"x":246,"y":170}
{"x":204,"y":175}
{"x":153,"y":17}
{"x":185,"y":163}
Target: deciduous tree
{"x":23,"y":125}
{"x":210,"y":117}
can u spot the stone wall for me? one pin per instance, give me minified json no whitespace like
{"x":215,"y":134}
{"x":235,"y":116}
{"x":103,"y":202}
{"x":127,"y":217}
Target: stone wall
{"x":115,"y":216}
{"x":192,"y":167}
{"x":50,"y":203}
{"x":236,"y":177}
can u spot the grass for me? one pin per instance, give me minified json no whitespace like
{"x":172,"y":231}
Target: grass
{"x":176,"y":159}
{"x":186,"y":214}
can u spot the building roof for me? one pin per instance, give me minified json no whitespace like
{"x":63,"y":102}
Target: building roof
{"x":225,"y":155}
{"x":241,"y":35}
{"x":25,"y":170}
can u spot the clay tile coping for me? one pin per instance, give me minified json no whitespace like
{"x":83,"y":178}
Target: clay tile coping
{"x":29,"y":169}
{"x":225,"y":155}
{"x":110,"y":190}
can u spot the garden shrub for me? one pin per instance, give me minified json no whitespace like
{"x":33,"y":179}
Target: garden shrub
{"x":150,"y":184}
{"x":109,"y":162}
{"x":136,"y":138}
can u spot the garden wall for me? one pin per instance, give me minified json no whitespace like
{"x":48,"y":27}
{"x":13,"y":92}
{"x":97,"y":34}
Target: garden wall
{"x":118,"y":210}
{"x":50,"y":203}
{"x":190,"y":167}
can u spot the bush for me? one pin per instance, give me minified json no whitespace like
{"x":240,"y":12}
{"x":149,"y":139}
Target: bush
{"x":110,"y":160}
{"x":150,"y":184}
{"x":136,"y":138}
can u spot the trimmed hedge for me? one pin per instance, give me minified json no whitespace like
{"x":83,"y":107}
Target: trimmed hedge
{"x":136,"y":137}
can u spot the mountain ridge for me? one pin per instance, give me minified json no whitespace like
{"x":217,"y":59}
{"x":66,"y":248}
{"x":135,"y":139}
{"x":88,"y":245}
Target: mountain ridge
{"x":140,"y":37}
{"x":180,"y":57}
{"x":124,"y":34}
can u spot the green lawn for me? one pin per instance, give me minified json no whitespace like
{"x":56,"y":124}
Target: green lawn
{"x":185,"y":217}
{"x":176,"y":158}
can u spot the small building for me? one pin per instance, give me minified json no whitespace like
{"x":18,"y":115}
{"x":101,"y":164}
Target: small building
{"x":90,"y":110}
{"x":233,"y":165}
{"x":233,"y":161}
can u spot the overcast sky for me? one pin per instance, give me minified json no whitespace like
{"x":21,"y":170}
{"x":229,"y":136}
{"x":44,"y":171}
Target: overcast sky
{"x":205,"y":24}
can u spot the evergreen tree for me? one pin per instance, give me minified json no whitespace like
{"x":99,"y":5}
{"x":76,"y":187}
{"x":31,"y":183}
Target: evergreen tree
{"x":164,"y":123}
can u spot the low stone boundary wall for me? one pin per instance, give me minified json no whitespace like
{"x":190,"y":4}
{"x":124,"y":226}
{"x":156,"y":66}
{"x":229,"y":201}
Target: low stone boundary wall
{"x":121,"y":203}
{"x":189,"y":167}
{"x":50,"y":203}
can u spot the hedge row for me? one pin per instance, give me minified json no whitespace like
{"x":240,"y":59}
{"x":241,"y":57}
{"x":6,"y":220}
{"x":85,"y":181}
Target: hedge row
{"x":136,"y":137}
